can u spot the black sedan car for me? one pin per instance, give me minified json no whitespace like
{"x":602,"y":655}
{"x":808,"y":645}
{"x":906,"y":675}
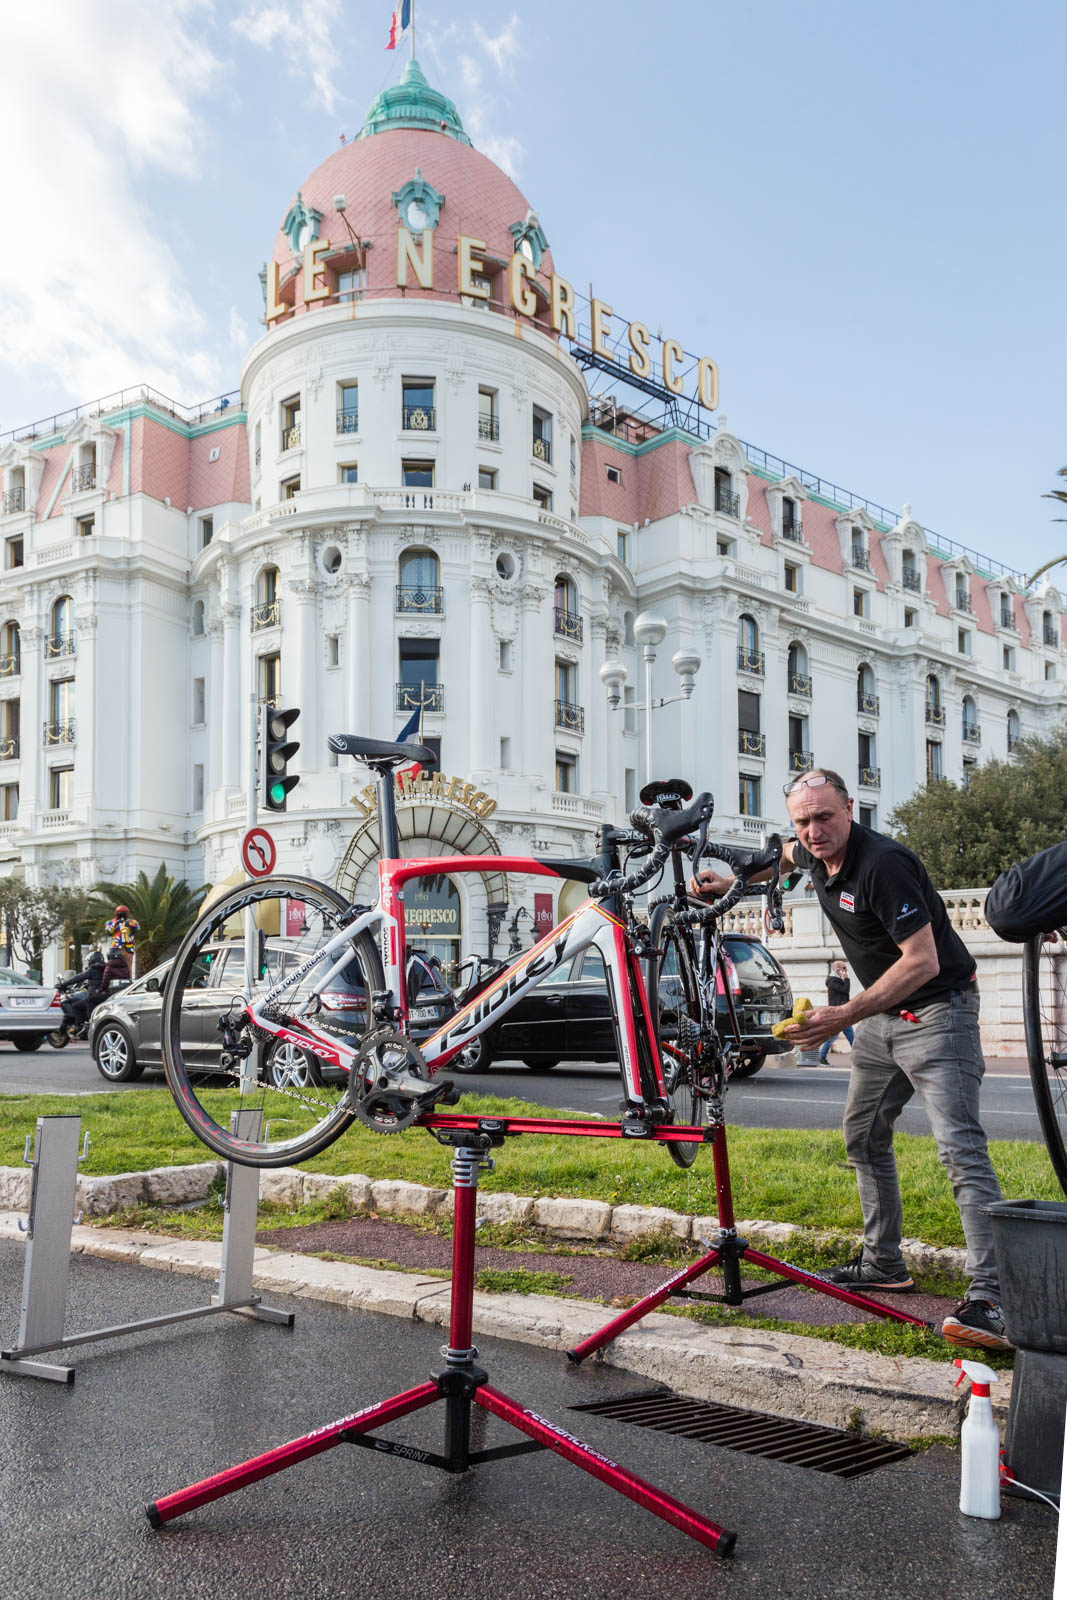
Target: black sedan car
{"x":567,"y":1017}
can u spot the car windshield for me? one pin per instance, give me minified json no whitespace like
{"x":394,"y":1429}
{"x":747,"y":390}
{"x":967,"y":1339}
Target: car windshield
{"x":7,"y":976}
{"x":754,"y":964}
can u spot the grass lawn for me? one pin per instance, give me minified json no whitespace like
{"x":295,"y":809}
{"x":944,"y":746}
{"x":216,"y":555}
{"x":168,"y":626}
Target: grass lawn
{"x":778,"y":1176}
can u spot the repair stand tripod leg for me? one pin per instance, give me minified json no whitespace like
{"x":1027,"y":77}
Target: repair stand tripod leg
{"x":459,"y":1384}
{"x":727,"y":1252}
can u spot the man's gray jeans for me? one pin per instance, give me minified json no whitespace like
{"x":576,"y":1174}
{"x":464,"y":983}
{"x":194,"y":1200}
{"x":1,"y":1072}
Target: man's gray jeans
{"x":938,"y":1057}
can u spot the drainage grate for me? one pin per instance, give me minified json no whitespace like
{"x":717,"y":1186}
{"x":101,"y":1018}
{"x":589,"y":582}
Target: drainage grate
{"x":801,"y":1444}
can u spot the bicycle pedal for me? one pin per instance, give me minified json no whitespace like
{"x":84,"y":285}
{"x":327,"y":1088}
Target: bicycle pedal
{"x":634,"y":1126}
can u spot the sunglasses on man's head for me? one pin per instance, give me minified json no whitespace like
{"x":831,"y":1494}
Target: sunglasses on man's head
{"x":813,"y":780}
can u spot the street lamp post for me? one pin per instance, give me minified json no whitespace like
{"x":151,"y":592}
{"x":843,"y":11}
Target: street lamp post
{"x":649,"y":631}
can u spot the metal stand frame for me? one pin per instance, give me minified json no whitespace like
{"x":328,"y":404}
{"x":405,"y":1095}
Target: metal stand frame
{"x":461,"y":1383}
{"x":727,"y":1252}
{"x":46,"y":1275}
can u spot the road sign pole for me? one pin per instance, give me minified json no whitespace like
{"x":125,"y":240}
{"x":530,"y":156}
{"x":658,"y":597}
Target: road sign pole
{"x":248,"y":1065}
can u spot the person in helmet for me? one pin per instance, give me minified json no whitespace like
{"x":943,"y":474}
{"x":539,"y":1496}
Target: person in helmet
{"x":87,"y":986}
{"x":123,"y":930}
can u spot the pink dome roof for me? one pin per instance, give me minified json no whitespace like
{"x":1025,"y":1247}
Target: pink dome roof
{"x":480,"y":201}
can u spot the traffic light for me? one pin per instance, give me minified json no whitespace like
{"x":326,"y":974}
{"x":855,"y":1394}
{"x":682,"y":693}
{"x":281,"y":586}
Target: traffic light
{"x":278,"y":751}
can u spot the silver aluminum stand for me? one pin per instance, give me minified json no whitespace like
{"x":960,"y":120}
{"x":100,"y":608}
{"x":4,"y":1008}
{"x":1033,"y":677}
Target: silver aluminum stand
{"x":47,"y":1271}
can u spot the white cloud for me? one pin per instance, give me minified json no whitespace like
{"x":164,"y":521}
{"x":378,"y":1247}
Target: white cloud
{"x":238,"y":330}
{"x":503,"y":48}
{"x":92,"y":98}
{"x":303,"y":29}
{"x":505,"y":150}
{"x":470,"y":71}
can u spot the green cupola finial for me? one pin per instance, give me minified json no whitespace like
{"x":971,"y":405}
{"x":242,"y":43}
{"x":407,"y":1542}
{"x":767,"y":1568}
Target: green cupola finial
{"x":413,"y":104}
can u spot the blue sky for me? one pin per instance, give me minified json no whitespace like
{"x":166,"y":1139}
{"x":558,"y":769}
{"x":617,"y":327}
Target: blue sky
{"x":855,"y":209}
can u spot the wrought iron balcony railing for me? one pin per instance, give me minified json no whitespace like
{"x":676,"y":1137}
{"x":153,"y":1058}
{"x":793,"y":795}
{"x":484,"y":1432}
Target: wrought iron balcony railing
{"x":870,"y":777}
{"x":749,"y":660}
{"x":1050,"y":636}
{"x":568,"y":625}
{"x":348,"y":421}
{"x":10,"y":666}
{"x":542,"y":448}
{"x":972,"y":733}
{"x":9,"y":748}
{"x":419,"y":599}
{"x":419,"y":419}
{"x":14,"y":500}
{"x":59,"y":732}
{"x":963,"y":602}
{"x":801,"y":760}
{"x":935,"y":716}
{"x":412,"y":696}
{"x":793,"y":532}
{"x":1007,"y":621}
{"x":911,"y":580}
{"x":860,"y":558}
{"x":867,"y":703}
{"x":569,"y":717}
{"x":489,"y":428}
{"x":82,"y":478}
{"x":267,"y":615}
{"x":800,"y":683}
{"x":58,"y":644}
{"x":751,"y":744}
{"x":726,"y":501}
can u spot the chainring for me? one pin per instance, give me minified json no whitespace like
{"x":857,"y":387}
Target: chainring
{"x":389,"y":1086}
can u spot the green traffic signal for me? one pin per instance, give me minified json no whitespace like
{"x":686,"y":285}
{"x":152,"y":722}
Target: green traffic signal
{"x":276,"y":793}
{"x":277,"y":750}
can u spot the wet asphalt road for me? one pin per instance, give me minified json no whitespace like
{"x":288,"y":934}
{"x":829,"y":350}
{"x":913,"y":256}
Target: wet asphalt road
{"x":152,"y":1412}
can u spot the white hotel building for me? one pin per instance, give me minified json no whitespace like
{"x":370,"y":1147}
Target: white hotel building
{"x":416,"y":497}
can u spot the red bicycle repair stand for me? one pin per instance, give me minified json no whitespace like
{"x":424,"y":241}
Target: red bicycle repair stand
{"x":727,"y":1253}
{"x":460,"y":1383}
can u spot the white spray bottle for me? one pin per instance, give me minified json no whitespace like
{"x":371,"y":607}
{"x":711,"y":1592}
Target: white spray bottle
{"x":979,"y":1446}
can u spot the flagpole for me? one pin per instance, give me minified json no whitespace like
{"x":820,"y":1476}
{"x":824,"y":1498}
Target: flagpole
{"x":412,"y":30}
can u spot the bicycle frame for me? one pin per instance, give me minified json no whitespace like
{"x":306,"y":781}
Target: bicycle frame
{"x":590,"y":924}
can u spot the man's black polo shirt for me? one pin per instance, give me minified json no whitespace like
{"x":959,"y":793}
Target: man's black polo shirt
{"x":881,"y":895}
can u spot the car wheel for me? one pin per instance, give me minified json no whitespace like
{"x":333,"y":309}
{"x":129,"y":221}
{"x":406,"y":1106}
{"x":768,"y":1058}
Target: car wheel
{"x":474,"y":1057}
{"x":113,"y":1054}
{"x":32,"y":1041}
{"x":290,"y":1067}
{"x":748,"y":1066}
{"x":540,"y":1063}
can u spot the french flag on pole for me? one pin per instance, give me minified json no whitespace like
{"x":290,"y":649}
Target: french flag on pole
{"x":401,"y":22}
{"x":412,"y":729}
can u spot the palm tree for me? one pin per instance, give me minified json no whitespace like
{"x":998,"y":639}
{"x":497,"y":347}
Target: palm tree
{"x":1058,"y":494}
{"x":164,"y":907}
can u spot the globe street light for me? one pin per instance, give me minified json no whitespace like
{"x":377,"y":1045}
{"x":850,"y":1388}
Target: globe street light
{"x":649,"y":631}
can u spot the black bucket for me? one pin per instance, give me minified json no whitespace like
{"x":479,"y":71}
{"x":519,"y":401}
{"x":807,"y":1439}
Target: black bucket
{"x":1030,"y":1239}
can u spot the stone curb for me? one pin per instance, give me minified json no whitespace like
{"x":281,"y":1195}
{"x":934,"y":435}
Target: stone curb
{"x":587,"y":1221}
{"x":785,"y":1374}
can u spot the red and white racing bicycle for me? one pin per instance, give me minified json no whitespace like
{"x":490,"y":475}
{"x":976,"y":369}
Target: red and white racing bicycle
{"x":327,"y":978}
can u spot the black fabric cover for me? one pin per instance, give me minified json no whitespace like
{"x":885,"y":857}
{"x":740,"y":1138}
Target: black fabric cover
{"x":1031,"y":897}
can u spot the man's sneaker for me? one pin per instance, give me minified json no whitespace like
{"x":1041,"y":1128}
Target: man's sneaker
{"x":859,"y":1275}
{"x":977,"y":1322}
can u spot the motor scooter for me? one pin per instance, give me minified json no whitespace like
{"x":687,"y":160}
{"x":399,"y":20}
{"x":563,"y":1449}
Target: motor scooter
{"x":70,"y":1028}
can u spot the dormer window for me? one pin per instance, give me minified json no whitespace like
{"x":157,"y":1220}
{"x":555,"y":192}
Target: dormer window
{"x":1049,"y":631}
{"x":15,"y":493}
{"x":83,"y":475}
{"x":909,"y":575}
{"x":791,"y":520}
{"x":860,"y":554}
{"x":1007,"y":612}
{"x":963,"y":592}
{"x":726,"y":500}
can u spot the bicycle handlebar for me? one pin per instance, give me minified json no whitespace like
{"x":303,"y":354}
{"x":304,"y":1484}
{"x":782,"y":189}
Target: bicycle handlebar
{"x":664,"y":828}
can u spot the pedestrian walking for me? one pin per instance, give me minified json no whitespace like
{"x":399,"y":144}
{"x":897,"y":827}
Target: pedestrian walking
{"x":838,"y":989}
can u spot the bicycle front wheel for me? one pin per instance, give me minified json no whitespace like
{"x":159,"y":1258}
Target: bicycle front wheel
{"x":217,"y":1063}
{"x":1045,"y":1020}
{"x":676,"y":1013}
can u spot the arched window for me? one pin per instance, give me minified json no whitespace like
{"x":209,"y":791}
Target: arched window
{"x":418,"y":582}
{"x":11,"y":653}
{"x":1015,"y":729}
{"x":60,"y":641}
{"x":971,"y":731}
{"x":725,"y":498}
{"x":798,"y":679}
{"x":267,"y":611}
{"x":866,"y":698}
{"x":748,"y":650}
{"x":567,"y":617}
{"x":1048,"y":628}
{"x":198,"y":617}
{"x":935,"y":712}
{"x":910,"y":572}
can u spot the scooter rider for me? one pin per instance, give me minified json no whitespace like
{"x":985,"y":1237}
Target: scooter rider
{"x":81,"y":1003}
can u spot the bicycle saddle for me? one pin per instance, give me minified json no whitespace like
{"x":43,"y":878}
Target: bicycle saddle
{"x":667,"y":792}
{"x":378,"y":752}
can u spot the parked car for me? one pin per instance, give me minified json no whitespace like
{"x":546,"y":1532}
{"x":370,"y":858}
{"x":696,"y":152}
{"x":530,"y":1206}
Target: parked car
{"x":567,"y":1017}
{"x":125,"y":1029}
{"x":28,"y":1010}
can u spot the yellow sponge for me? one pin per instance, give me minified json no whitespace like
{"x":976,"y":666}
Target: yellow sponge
{"x":800,"y":1006}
